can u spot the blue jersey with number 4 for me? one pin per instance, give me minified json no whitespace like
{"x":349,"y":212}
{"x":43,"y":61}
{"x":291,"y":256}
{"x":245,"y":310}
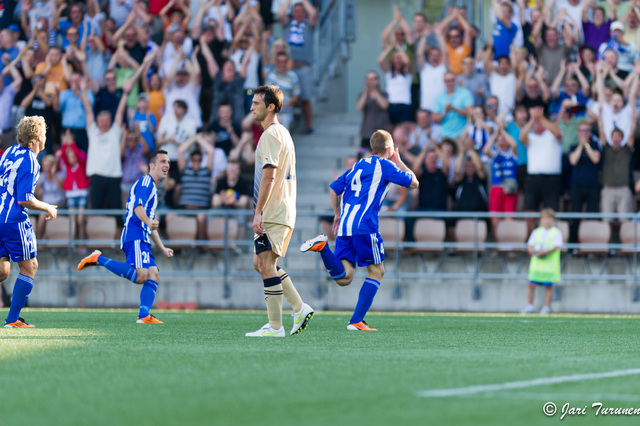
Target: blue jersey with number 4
{"x":19,"y":173}
{"x":363,"y":189}
{"x":143,"y":193}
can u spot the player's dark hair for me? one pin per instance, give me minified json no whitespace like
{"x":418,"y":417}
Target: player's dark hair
{"x":271,"y":94}
{"x":154,"y":154}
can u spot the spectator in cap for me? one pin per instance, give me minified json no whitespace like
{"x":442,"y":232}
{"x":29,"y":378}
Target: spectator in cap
{"x":627,"y":52}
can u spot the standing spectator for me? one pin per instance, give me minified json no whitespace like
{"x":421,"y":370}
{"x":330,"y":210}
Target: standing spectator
{"x":576,"y":89}
{"x":119,"y":10}
{"x":616,"y":196}
{"x":434,"y":193}
{"x":246,"y":43}
{"x":503,"y":197}
{"x":298,"y":31}
{"x":72,"y":109}
{"x":520,"y":118}
{"x":103,"y":156}
{"x":56,"y":70}
{"x":536,"y":92}
{"x":504,"y":30}
{"x":585,"y":186}
{"x":196,"y":179}
{"x":431,"y":72}
{"x":97,"y":59}
{"x":289,"y":85}
{"x":374,"y":104}
{"x":544,"y":167}
{"x":596,"y":30}
{"x":39,"y":103}
{"x":452,"y":107}
{"x":226,"y":134}
{"x":176,"y":48}
{"x":184,"y":84}
{"x":615,"y":113}
{"x":76,"y":184}
{"x":423,"y":133}
{"x":550,"y":52}
{"x":627,"y":52}
{"x":76,"y":15}
{"x":108,"y":97}
{"x":94,"y":16}
{"x":476,"y":82}
{"x":174,"y":129}
{"x":228,"y":87}
{"x":398,"y":75}
{"x":502,"y":83}
{"x":458,"y":40}
{"x":470,"y":194}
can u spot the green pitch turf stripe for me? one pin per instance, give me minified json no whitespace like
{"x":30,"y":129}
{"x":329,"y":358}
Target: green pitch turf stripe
{"x":542,"y":381}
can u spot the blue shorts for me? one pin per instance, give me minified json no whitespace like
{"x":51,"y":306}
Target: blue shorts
{"x":543,"y":284}
{"x":139,"y":254}
{"x":361,"y":250}
{"x":18,"y":241}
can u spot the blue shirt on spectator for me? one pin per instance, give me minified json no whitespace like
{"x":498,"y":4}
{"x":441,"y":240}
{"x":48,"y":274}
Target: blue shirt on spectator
{"x":585,"y":173}
{"x":503,"y":166}
{"x":141,"y":120}
{"x":13,"y":52}
{"x":453,"y":124}
{"x":502,"y":39}
{"x":514,"y":131}
{"x":73,"y":115}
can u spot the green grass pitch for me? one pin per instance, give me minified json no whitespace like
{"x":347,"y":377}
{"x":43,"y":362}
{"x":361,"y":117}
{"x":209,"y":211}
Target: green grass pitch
{"x":97,"y":367}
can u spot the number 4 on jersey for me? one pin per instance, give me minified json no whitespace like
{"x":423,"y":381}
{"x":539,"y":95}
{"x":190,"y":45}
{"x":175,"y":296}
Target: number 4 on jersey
{"x":356,"y":185}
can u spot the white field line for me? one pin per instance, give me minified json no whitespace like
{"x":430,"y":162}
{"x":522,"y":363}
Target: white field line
{"x":542,"y":381}
{"x":557,"y":396}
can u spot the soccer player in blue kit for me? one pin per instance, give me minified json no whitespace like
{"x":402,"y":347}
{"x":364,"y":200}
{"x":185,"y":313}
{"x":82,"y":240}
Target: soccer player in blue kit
{"x":19,"y":173}
{"x":140,"y":227}
{"x":362,"y":190}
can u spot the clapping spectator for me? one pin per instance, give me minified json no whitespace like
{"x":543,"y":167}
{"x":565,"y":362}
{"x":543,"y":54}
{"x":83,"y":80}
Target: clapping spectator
{"x":458,"y":40}
{"x":452,"y":108}
{"x":504,"y":30}
{"x":596,"y":31}
{"x":431,"y":71}
{"x":49,"y":189}
{"x":298,"y":31}
{"x":502,"y":82}
{"x":374,"y":104}
{"x":184,"y":84}
{"x":470,"y":193}
{"x":475,"y":81}
{"x":76,"y":184}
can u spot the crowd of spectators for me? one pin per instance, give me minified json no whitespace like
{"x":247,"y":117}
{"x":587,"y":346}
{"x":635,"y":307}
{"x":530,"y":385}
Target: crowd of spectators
{"x":540,"y":111}
{"x":118,"y":79}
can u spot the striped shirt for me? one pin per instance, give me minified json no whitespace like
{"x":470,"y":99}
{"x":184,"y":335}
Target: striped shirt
{"x":196,"y":187}
{"x":19,"y":173}
{"x":363,"y":189}
{"x":142,"y":193}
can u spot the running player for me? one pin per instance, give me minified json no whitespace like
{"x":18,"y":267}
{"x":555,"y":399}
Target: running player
{"x":362,"y":190}
{"x":140,"y":227}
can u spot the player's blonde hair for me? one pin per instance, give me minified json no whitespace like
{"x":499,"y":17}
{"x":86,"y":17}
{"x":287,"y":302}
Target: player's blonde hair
{"x":29,"y":129}
{"x":380,"y":141}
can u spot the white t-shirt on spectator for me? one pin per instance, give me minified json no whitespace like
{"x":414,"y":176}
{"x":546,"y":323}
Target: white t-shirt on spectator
{"x":219,"y":14}
{"x":504,"y":88}
{"x":103,"y":155}
{"x":544,"y":154}
{"x":431,"y":85}
{"x":170,"y":55}
{"x":574,"y":11}
{"x":188,"y":93}
{"x":169,"y":126}
{"x":253,"y":79}
{"x":399,"y":88}
{"x":622,"y":120}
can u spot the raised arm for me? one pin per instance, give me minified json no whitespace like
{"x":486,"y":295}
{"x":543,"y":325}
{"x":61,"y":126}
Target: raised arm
{"x":312,"y":13}
{"x":122,"y":106}
{"x":183,"y":148}
{"x":88,"y":109}
{"x":283,"y":13}
{"x":382,"y":58}
{"x":557,"y":82}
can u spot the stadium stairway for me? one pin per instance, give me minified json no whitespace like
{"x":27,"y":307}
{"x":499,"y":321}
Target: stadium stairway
{"x":319,"y":157}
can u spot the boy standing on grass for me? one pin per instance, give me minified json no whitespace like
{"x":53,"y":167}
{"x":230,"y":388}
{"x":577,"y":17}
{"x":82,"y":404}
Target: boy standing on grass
{"x":544,"y":270}
{"x":356,"y":197}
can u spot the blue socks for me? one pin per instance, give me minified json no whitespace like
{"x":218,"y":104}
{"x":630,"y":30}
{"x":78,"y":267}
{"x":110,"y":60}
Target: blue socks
{"x":365,"y":299}
{"x":332,"y":263}
{"x":21,"y":291}
{"x":147,"y":296}
{"x":121,"y":269}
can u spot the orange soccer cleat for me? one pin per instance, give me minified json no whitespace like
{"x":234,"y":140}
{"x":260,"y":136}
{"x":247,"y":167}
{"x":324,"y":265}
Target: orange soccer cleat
{"x":91,"y":260}
{"x":149,"y":319}
{"x":361,"y":326}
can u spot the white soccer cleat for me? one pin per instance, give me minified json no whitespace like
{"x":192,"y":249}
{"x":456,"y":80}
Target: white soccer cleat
{"x":301,"y":319}
{"x":267,"y":331}
{"x":528,"y":310}
{"x":314,"y":244}
{"x":545,"y":310}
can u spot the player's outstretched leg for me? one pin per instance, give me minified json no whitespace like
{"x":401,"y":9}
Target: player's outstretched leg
{"x":365,"y":299}
{"x":147,"y":297}
{"x":21,"y":291}
{"x":331,"y":262}
{"x":120,"y":269}
{"x":302,"y":312}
